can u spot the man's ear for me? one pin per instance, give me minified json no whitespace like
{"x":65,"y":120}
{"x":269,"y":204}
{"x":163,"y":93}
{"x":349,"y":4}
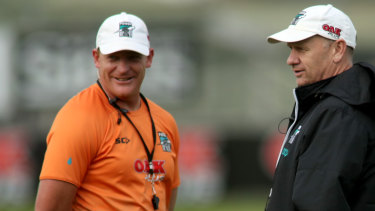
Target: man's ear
{"x":149,"y":58}
{"x":339,"y":50}
{"x":95,"y":55}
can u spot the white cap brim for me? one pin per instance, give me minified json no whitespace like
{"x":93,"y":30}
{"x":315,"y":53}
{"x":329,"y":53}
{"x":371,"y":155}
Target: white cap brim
{"x":122,"y":46}
{"x":290,"y":35}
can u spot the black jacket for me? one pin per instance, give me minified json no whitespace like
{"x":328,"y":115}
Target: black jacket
{"x":327,"y":161}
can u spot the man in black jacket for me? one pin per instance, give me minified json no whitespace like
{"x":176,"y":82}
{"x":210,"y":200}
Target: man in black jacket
{"x":327,"y":160}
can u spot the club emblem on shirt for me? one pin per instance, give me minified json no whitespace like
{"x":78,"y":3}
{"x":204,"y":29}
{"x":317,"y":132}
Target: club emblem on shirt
{"x":164,"y":142}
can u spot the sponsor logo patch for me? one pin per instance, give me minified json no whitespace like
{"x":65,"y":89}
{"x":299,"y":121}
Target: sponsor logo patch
{"x":122,"y":140}
{"x":142,"y":166}
{"x":333,"y":31}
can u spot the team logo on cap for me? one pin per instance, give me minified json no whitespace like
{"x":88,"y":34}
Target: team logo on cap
{"x":298,"y":17}
{"x":126,"y":29}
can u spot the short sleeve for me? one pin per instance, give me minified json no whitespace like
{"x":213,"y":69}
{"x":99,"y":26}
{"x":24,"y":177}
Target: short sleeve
{"x":71,"y":145}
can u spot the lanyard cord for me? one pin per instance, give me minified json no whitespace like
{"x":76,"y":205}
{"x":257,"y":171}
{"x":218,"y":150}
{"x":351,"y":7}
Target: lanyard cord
{"x":150,"y":155}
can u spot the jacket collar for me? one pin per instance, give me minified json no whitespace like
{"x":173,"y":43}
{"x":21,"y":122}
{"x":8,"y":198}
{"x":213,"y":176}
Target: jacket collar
{"x":355,"y":86}
{"x":307,"y":95}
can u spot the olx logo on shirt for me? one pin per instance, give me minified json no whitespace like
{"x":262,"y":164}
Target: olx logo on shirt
{"x":143,"y":166}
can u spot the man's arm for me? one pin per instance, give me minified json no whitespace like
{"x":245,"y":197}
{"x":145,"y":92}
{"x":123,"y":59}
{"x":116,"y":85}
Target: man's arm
{"x":172,"y":202}
{"x":55,"y":195}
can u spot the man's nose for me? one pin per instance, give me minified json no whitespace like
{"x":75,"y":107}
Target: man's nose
{"x":124,"y":64}
{"x":293,"y":58}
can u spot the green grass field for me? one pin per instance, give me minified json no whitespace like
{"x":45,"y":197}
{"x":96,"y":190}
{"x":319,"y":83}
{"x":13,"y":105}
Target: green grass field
{"x":233,"y":202}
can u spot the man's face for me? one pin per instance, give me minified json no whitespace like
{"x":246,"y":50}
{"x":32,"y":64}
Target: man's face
{"x":121,"y":73}
{"x":311,"y":60}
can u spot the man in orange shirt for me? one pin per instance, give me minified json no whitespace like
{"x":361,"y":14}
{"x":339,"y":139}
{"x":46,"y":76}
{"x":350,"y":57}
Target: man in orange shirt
{"x":109,"y":147}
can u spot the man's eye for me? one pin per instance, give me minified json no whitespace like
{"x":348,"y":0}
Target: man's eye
{"x":134,"y":57}
{"x":300,"y":48}
{"x":113,"y":58}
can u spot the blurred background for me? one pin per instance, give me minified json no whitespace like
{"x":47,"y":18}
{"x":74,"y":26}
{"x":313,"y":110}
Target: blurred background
{"x":213,"y":70}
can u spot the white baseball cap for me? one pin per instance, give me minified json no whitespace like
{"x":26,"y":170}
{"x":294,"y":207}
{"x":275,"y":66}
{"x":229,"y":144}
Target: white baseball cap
{"x":324,"y":20}
{"x":123,"y":32}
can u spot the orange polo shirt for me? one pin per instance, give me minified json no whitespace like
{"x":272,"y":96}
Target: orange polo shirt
{"x":106,"y":160}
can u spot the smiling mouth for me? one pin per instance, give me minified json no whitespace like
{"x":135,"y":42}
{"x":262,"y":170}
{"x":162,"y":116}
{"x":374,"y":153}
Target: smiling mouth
{"x":124,"y":79}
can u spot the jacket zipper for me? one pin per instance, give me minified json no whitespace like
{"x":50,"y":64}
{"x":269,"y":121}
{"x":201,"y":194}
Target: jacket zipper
{"x":285,"y":139}
{"x":291,"y":126}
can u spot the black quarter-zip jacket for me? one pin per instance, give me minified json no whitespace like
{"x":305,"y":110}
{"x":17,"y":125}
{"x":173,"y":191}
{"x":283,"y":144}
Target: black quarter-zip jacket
{"x":327,"y":161}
